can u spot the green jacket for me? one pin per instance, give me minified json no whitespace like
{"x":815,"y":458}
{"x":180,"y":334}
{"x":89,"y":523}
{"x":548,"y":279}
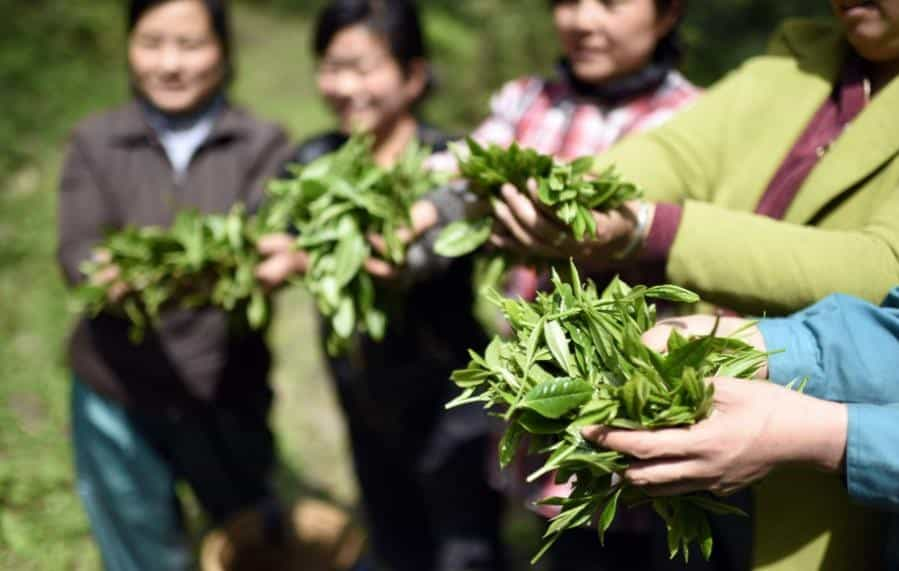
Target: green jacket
{"x":716,"y":158}
{"x":841,"y":234}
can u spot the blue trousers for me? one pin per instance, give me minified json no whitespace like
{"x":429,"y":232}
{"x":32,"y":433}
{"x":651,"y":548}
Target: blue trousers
{"x":127,"y":464}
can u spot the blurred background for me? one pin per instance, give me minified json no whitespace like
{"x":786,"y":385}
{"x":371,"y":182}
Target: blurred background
{"x":63,"y":59}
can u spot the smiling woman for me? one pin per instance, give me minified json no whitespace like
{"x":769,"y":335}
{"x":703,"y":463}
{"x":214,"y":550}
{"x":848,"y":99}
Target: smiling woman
{"x":174,"y":63}
{"x":420,"y":467}
{"x":191,"y":401}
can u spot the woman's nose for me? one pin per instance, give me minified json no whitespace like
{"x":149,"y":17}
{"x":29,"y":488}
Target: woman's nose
{"x":170,"y":59}
{"x":590,"y":15}
{"x":346,"y":83}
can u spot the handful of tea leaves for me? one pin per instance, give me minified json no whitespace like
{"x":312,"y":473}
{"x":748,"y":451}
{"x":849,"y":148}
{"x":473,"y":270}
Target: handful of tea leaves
{"x":568,"y":189}
{"x":335,"y":203}
{"x":576,"y":359}
{"x":202,"y":260}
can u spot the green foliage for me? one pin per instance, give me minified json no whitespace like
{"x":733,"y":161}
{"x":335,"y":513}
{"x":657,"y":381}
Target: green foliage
{"x":209,"y":260}
{"x":720,"y":34}
{"x":202,"y":260}
{"x":576,"y":359}
{"x":58,"y":60}
{"x":335,"y":203}
{"x":569,"y":190}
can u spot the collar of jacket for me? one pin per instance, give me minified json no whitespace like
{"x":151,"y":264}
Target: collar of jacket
{"x":869,"y":142}
{"x":614,"y":91}
{"x":131,"y":126}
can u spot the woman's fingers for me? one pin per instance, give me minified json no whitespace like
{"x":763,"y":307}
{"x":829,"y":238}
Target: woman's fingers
{"x":643,"y":444}
{"x":527,"y":212}
{"x":531,"y":244}
{"x":667,"y":477}
{"x":101,"y":256}
{"x":271,"y":244}
{"x":107,"y":275}
{"x":379,"y":243}
{"x":381,"y":269}
{"x":279,"y":268}
{"x":274,"y":271}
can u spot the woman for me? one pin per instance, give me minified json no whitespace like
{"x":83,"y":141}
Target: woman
{"x":847,"y":421}
{"x":420,"y":468}
{"x":190,"y":403}
{"x":617,"y":76}
{"x":788,"y":165}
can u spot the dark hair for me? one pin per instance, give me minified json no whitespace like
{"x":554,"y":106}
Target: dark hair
{"x":397,"y":21}
{"x":670,"y":48}
{"x":218,"y":15}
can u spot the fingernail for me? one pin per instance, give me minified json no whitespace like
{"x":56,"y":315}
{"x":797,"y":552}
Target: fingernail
{"x":594,"y":432}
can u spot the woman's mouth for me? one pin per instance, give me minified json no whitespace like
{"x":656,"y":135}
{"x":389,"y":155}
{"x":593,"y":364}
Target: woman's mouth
{"x":858,"y":7}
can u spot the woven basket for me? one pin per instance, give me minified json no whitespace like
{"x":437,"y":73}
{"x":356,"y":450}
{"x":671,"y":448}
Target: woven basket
{"x":321,"y":537}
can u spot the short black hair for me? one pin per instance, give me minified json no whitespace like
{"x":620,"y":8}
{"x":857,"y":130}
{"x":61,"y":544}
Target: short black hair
{"x":397,"y":21}
{"x":218,"y":15}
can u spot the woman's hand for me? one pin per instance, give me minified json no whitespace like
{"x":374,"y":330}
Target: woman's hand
{"x":109,"y":276}
{"x":702,"y":325}
{"x":527,"y":227}
{"x":755,"y":426}
{"x":379,"y":267}
{"x":282,"y":260}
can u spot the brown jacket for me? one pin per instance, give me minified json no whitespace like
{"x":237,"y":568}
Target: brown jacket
{"x":117,"y":174}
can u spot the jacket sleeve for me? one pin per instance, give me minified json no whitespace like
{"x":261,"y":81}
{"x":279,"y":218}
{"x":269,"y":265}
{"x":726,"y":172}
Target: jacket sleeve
{"x":872,"y":465}
{"x":84,"y":211}
{"x":849,"y":350}
{"x":681,"y":159}
{"x":782,"y":267}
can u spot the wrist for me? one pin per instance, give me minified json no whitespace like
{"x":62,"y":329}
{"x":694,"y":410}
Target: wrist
{"x":815,"y":433}
{"x":828,"y":451}
{"x":640,"y":214}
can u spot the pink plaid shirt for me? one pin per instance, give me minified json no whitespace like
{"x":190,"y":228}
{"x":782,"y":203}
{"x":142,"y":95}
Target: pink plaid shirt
{"x":550,"y":117}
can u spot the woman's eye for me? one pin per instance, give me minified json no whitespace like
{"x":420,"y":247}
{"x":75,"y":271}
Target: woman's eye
{"x":148,"y":42}
{"x":192,"y":43}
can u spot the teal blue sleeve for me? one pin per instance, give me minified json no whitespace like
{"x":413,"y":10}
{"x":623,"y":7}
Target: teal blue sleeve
{"x":849,"y":350}
{"x":872,"y":464}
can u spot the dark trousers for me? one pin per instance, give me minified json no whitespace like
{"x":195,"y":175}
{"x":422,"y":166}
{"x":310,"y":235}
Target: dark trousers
{"x":421,"y":470}
{"x":580,"y":550}
{"x":128,"y":462}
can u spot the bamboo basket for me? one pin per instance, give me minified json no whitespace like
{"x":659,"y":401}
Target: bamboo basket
{"x":319,"y":537}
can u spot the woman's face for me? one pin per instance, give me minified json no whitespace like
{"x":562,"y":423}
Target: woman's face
{"x":872,"y":27}
{"x":176,"y":59}
{"x":363,"y":83}
{"x":604,"y":39}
